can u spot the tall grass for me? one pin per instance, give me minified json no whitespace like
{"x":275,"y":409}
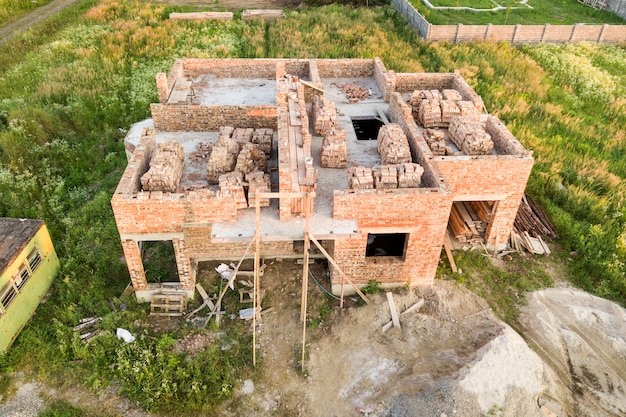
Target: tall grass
{"x":11,"y":10}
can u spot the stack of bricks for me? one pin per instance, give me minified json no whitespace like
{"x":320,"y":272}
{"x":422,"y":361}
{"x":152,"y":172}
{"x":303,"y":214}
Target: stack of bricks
{"x":220,"y":162}
{"x":436,"y":109}
{"x":449,"y":109}
{"x":263,"y":138}
{"x":435,"y":139}
{"x":429,"y":113}
{"x":385,"y":177}
{"x":232,"y":183}
{"x":468,"y":109}
{"x":225,"y":132}
{"x":243,"y":135}
{"x":410,"y":175}
{"x":419,"y":95}
{"x":258,"y":182}
{"x":251,"y":158}
{"x":470,"y":136}
{"x":360,"y":178}
{"x":202,"y":152}
{"x":393,"y":145}
{"x":324,"y":115}
{"x":166,"y":168}
{"x":451,"y":95}
{"x":334,"y":149}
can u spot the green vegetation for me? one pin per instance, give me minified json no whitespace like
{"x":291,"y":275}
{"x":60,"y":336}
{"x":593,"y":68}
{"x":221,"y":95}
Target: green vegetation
{"x":11,"y":10}
{"x":62,"y":408}
{"x":555,"y":12}
{"x":71,"y":87}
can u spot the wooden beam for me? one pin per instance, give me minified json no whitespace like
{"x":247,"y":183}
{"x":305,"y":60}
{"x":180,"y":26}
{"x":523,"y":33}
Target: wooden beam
{"x":305,"y":276}
{"x":392,"y":308}
{"x":255,"y":288}
{"x":325,"y":92}
{"x":382,"y":116}
{"x":446,"y":245}
{"x":343,"y":275}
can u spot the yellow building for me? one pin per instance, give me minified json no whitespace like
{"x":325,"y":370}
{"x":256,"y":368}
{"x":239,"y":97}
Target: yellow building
{"x":28,"y":264}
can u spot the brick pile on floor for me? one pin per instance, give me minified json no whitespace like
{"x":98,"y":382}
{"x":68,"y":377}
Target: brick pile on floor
{"x":263,"y":137}
{"x":334,"y":149}
{"x":470,"y":136}
{"x":409,"y":175}
{"x":258,"y":182}
{"x":393,"y":145}
{"x":166,"y":168}
{"x":220,"y":162}
{"x":435,"y":139}
{"x":251,"y":158}
{"x":232,"y":183}
{"x":324,"y":115}
{"x":360,"y":178}
{"x":201,"y":154}
{"x":354,"y":92}
{"x":385,"y":177}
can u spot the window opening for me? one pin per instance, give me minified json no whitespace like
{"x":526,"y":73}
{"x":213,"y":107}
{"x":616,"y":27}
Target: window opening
{"x":366,"y":129}
{"x":22,"y":277}
{"x":34,"y":259}
{"x":386,"y":244}
{"x":8,"y":294}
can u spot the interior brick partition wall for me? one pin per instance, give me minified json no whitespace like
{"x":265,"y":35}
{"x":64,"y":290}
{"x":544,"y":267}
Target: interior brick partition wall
{"x":197,"y":118}
{"x":421,"y":212}
{"x":511,"y":33}
{"x":345,"y":68}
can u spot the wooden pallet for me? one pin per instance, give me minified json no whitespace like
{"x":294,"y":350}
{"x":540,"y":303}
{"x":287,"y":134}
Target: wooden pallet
{"x":168,"y":305}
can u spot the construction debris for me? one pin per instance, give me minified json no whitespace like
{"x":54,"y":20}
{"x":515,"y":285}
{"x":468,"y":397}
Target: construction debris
{"x":88,"y":327}
{"x":202,"y":16}
{"x":324,"y":115}
{"x":354,"y":92}
{"x":414,"y":307}
{"x":265,"y":14}
{"x":334,"y":149}
{"x":470,"y":136}
{"x":166,"y":168}
{"x":360,"y":178}
{"x":393,"y":145}
{"x":201,"y":154}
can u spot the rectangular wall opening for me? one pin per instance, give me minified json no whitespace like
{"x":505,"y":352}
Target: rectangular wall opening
{"x":367,"y":129}
{"x":386,"y":244}
{"x":159,"y":261}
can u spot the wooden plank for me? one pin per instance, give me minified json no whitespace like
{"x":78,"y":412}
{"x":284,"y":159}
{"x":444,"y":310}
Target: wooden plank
{"x":325,"y":92}
{"x":392,"y":308}
{"x":446,"y":246}
{"x":382,"y":116}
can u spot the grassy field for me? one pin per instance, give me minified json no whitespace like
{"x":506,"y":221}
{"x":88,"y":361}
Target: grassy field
{"x":11,"y":10}
{"x":555,"y":12}
{"x":71,"y":87}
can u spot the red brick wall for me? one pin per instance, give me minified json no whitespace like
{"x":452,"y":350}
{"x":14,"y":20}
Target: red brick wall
{"x":199,"y":118}
{"x":345,"y":68}
{"x":134,"y":264}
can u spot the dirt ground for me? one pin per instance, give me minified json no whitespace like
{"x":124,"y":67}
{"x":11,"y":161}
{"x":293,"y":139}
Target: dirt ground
{"x":450,"y":357}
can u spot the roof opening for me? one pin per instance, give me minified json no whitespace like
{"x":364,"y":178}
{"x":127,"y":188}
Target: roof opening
{"x":366,"y":129}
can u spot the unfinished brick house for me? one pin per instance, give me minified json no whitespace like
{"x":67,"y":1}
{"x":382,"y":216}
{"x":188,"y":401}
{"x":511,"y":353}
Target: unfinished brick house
{"x":379,"y":162}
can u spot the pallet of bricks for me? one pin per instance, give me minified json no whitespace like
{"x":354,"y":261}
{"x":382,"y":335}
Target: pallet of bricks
{"x":434,"y":108}
{"x":393,"y":145}
{"x":258,"y":182}
{"x":166,"y":168}
{"x":407,"y":175}
{"x":385,"y":177}
{"x":470,"y":136}
{"x":360,"y":178}
{"x":324,"y":115}
{"x":334,"y":149}
{"x":466,"y":224}
{"x":232,"y":182}
{"x":251,"y":158}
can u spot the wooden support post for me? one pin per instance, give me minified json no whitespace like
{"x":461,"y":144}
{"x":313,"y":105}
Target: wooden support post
{"x":305,"y":276}
{"x":255,"y":289}
{"x":344,"y":276}
{"x":392,"y":309}
{"x":446,"y":246}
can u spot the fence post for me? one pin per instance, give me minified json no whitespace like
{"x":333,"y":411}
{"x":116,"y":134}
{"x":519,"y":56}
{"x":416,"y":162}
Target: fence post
{"x":543,"y":34}
{"x":571,"y":36}
{"x":487,"y":31}
{"x":515,"y":32}
{"x":456,"y":35}
{"x":601,"y":35}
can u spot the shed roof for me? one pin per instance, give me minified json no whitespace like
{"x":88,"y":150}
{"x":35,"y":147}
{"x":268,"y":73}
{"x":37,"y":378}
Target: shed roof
{"x":14,"y":236}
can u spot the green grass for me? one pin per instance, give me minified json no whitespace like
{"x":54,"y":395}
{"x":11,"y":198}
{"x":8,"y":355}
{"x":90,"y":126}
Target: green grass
{"x":68,"y":86}
{"x":555,"y":12}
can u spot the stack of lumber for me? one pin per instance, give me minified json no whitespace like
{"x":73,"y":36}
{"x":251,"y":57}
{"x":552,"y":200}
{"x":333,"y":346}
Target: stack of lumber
{"x":243,"y":135}
{"x":263,"y":137}
{"x":220,"y":162}
{"x":465,"y":224}
{"x":232,"y":183}
{"x":360,"y":178}
{"x":324,"y":115}
{"x":533,"y":219}
{"x":202,"y":152}
{"x":334,"y":149}
{"x":385,"y":177}
{"x":251,"y":158}
{"x":166,"y":168}
{"x":409,"y":175}
{"x":524,"y":241}
{"x":482,"y":210}
{"x":449,"y":110}
{"x":468,"y":109}
{"x":449,"y":94}
{"x":429,"y":113}
{"x":354,"y":92}
{"x":258,"y":182}
{"x":470,"y":136}
{"x":435,"y":139}
{"x":393,"y":145}
{"x":264,"y":14}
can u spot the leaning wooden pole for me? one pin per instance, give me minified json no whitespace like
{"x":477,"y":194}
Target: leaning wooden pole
{"x":305,"y":275}
{"x":255,"y":289}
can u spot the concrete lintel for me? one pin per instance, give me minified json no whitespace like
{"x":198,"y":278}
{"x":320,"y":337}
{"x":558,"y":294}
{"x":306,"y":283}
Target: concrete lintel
{"x":144,"y":296}
{"x":146,"y":237}
{"x":480,"y":197}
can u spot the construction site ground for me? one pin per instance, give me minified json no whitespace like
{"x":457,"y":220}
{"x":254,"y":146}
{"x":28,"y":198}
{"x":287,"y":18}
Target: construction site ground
{"x":450,"y":357}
